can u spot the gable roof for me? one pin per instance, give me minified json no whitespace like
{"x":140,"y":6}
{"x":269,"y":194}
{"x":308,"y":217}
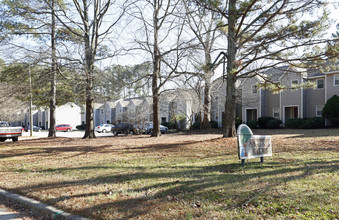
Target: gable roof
{"x":111,"y":104}
{"x":314,"y":73}
{"x":136,"y":102}
{"x":276,"y":73}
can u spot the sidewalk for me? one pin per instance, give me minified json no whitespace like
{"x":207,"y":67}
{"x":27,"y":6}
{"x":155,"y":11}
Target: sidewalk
{"x":38,"y":208}
{"x":13,"y":213}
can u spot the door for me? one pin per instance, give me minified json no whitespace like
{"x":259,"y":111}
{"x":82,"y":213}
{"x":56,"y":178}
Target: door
{"x":291,"y":112}
{"x":251,"y":115}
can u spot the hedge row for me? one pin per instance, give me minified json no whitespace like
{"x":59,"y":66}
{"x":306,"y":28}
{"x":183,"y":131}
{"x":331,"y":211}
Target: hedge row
{"x":307,"y":123}
{"x":272,"y":123}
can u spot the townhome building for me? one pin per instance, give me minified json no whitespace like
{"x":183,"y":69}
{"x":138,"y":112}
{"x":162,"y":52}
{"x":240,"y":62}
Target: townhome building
{"x":327,"y":85}
{"x":140,"y":110}
{"x":294,"y":101}
{"x":69,"y":113}
{"x":218,"y":99}
{"x":109,"y":112}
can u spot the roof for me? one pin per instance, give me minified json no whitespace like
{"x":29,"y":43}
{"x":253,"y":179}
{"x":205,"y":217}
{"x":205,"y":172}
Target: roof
{"x":275,"y":73}
{"x":124,"y":103}
{"x":97,"y":105}
{"x":136,"y":102}
{"x":112,"y":104}
{"x":314,"y":73}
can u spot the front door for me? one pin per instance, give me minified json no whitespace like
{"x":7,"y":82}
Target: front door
{"x":251,"y":115}
{"x":291,"y":112}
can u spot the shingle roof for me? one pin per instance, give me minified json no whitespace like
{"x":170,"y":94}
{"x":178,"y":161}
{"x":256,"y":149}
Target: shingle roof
{"x":313,"y":73}
{"x":112,"y":104}
{"x":275,"y":73}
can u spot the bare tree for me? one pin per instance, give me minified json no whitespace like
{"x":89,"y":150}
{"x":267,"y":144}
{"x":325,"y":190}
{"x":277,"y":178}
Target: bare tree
{"x":204,"y":26}
{"x":162,"y":32}
{"x":91,"y":23}
{"x":266,"y":34}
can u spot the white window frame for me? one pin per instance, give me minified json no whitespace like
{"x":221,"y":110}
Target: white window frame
{"x":278,"y":112}
{"x":320,"y":84}
{"x":334,"y":76}
{"x":254,"y":89}
{"x":316,"y":110}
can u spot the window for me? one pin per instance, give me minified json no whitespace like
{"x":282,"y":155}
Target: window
{"x":295,"y":83}
{"x":320,"y":83}
{"x":336,"y":80}
{"x":254,"y":89}
{"x":276,"y":113}
{"x":319,"y":109}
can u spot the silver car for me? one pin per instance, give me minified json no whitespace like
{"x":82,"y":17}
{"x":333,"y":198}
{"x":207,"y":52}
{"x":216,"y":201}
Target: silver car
{"x":149,"y":127}
{"x":103,"y":128}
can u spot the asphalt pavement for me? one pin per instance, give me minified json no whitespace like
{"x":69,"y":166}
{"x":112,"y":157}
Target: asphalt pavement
{"x":6,"y":213}
{"x":72,"y":134}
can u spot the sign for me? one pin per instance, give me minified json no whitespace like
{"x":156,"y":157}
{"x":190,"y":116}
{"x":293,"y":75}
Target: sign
{"x":252,"y":146}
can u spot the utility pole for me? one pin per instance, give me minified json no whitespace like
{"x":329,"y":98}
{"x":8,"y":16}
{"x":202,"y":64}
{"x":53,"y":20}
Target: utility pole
{"x":30,"y":103}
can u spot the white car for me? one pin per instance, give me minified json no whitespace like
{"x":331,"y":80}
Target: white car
{"x":103,"y":128}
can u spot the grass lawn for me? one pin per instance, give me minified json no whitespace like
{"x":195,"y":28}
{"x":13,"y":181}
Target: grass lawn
{"x":178,"y":176}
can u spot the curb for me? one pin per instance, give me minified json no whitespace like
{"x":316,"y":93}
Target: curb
{"x":39,"y":208}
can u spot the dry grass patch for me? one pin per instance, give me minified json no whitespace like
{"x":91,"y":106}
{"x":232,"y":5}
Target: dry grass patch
{"x":178,"y":176}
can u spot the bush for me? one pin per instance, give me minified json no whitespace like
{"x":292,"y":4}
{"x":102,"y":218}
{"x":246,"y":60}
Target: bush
{"x":315,"y":122}
{"x":294,"y":123}
{"x":252,"y":124}
{"x":170,"y":125}
{"x":331,"y":108}
{"x":196,"y":126}
{"x":262,"y":121}
{"x":81,"y":127}
{"x":273,"y":124}
{"x":269,"y":123}
{"x":335,"y":122}
{"x":307,"y":123}
{"x":214,"y":124}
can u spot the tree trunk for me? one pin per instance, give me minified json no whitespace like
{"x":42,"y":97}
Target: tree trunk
{"x":229,"y":119}
{"x":156,"y":72}
{"x":52,"y":103}
{"x":207,"y":104}
{"x":89,"y":68}
{"x":156,"y":124}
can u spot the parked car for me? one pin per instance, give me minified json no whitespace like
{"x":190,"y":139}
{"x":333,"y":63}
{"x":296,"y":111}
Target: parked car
{"x":125,"y":128}
{"x":8,"y":132}
{"x":148,"y":128}
{"x":63,"y":127}
{"x":35,"y":128}
{"x":104,"y":128}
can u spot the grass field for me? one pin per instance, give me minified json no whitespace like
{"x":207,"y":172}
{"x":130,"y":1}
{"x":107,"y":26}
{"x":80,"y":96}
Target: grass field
{"x":178,"y":176}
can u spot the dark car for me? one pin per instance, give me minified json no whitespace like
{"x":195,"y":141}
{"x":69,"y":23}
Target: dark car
{"x":125,"y":128}
{"x":63,"y":127}
{"x":35,"y":128}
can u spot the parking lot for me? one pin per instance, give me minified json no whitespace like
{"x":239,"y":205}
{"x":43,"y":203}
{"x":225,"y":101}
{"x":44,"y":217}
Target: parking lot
{"x":72,"y":134}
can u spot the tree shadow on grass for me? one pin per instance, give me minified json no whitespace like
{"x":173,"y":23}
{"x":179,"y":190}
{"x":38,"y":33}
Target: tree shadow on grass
{"x":55,"y":146}
{"x":185,"y":184}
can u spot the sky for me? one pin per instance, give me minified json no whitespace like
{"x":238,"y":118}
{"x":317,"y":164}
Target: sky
{"x":135,"y":58}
